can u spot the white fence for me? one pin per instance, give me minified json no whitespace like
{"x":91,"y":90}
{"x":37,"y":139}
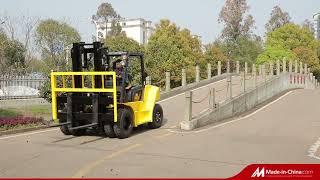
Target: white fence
{"x":19,"y":87}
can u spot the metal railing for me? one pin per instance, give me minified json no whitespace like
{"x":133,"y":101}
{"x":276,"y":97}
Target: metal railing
{"x":28,"y":86}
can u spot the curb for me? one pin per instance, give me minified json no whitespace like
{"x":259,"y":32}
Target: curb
{"x":16,"y":131}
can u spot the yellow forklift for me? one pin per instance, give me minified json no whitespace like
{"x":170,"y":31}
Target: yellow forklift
{"x":98,"y":94}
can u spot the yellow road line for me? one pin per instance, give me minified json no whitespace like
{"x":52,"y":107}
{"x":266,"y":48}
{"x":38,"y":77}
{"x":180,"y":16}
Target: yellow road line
{"x":163,"y":135}
{"x":86,"y":169}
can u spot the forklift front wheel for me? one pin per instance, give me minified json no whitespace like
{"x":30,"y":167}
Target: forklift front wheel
{"x":157,"y":117}
{"x":108,"y":129}
{"x":65,"y":130}
{"x":124,"y":125}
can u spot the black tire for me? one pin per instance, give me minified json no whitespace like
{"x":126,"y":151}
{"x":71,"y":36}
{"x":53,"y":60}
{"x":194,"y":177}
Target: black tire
{"x":108,"y":129}
{"x":124,"y":125}
{"x":157,"y":117}
{"x":78,"y":132}
{"x":65,"y":130}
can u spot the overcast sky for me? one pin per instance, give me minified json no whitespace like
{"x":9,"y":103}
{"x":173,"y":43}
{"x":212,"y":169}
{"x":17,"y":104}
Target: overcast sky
{"x":200,"y":16}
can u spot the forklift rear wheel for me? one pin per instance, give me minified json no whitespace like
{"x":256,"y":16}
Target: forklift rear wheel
{"x":124,"y":125}
{"x":157,"y":117}
{"x":108,"y":129}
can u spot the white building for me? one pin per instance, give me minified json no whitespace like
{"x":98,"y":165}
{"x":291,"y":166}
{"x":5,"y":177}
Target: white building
{"x":316,"y":19}
{"x":138,"y":29}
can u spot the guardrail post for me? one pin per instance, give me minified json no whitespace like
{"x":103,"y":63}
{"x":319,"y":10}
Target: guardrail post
{"x":254,"y":74}
{"x":148,"y":80}
{"x":305,"y":68}
{"x":167,"y":81}
{"x":308,"y":70}
{"x":278,"y":67}
{"x":290,"y":66}
{"x":284,"y":65}
{"x":263,"y":66}
{"x":183,"y":78}
{"x":237,"y":67}
{"x":228,"y":67}
{"x":209,"y":71}
{"x":310,"y":76}
{"x":301,"y":68}
{"x":219,"y":68}
{"x":244,"y":81}
{"x":212,"y":101}
{"x":197,"y":73}
{"x":260,"y":69}
{"x":230,"y":86}
{"x":188,"y":110}
{"x":271,"y":69}
{"x":245,"y":68}
{"x":296,"y":66}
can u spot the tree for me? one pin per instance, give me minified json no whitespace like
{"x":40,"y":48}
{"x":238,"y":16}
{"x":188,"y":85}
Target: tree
{"x":105,"y":11}
{"x":308,"y":56}
{"x":106,"y":14}
{"x":272,"y":54}
{"x":291,"y":36}
{"x":308,"y":25}
{"x":53,"y":37}
{"x":171,"y":49}
{"x":116,"y":29}
{"x":293,"y":42}
{"x":3,"y":43}
{"x":236,"y":22}
{"x":213,"y":54}
{"x":278,"y":18}
{"x":123,"y":43}
{"x":237,"y":39}
{"x":12,"y":56}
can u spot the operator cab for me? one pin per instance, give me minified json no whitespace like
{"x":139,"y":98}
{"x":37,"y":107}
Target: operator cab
{"x":129,"y":68}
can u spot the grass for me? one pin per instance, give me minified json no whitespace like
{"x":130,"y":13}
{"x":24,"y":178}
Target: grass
{"x":9,"y":113}
{"x":39,"y":110}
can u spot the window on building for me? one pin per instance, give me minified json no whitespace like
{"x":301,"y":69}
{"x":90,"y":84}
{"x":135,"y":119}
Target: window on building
{"x":124,"y":24}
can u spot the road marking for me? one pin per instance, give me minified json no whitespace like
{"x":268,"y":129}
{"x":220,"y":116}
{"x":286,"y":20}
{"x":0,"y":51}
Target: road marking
{"x":313,"y":149}
{"x":163,"y":135}
{"x":86,"y":169}
{"x":27,"y":134}
{"x":233,"y":121}
{"x":192,"y":90}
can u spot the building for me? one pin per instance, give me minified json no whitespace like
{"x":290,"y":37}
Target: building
{"x":316,"y":19}
{"x":138,"y":29}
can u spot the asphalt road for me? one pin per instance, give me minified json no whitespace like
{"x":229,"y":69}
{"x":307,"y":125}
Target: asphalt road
{"x":284,"y":131}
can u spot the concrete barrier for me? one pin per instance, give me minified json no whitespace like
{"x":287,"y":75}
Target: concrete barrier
{"x":188,"y":87}
{"x":250,"y":99}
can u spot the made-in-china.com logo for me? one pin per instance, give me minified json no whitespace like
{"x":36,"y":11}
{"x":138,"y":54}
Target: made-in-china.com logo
{"x":258,"y":173}
{"x":281,"y":172}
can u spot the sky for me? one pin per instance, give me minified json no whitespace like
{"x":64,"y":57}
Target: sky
{"x":200,"y":16}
